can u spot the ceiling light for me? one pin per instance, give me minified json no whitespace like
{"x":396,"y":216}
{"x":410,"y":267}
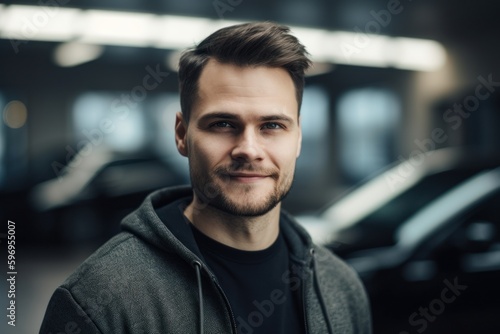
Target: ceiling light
{"x":38,"y":23}
{"x":116,"y":28}
{"x":104,"y":27}
{"x":417,"y":54}
{"x":180,"y":32}
{"x":73,"y":54}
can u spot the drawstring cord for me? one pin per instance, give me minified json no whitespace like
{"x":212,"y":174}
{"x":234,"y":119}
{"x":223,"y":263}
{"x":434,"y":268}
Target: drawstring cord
{"x":197,"y":266}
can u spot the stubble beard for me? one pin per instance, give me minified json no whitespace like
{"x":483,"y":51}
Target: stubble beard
{"x":209,"y":188}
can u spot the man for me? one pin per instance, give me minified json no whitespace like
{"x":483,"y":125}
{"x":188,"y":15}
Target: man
{"x":221,"y":257}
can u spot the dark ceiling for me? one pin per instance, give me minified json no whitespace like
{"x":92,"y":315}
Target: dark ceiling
{"x":466,"y":28}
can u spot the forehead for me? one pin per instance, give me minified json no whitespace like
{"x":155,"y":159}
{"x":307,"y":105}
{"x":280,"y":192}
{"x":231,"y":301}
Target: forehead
{"x":245,"y":88}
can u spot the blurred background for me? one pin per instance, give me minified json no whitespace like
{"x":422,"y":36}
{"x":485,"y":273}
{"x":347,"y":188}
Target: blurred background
{"x":399,"y":167}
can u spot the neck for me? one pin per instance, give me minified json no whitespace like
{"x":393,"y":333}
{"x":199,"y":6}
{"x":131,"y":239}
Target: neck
{"x":244,"y":233}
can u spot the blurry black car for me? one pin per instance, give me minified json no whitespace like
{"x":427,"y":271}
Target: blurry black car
{"x":425,"y":239}
{"x":87,"y":202}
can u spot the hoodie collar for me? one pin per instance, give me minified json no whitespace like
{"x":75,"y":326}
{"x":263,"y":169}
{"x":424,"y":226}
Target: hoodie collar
{"x":160,"y":221}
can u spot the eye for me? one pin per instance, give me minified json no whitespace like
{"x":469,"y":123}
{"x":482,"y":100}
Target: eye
{"x":221,"y":124}
{"x":272,"y":126}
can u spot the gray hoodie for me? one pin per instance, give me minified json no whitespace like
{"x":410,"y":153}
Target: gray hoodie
{"x":151,"y":279}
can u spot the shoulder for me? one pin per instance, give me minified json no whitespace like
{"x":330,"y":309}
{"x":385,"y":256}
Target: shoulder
{"x":87,"y":295}
{"x":121,"y":262}
{"x":107,"y":274}
{"x":125,"y":280}
{"x":336,"y":271}
{"x":342,"y":289}
{"x":108,"y":259}
{"x":329,"y":262}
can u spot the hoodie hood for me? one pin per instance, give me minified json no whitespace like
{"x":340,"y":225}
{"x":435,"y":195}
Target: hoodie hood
{"x":156,"y":221}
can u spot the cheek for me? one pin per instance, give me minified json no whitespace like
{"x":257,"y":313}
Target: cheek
{"x":204,"y":153}
{"x":285,"y":159}
{"x":285,"y":150}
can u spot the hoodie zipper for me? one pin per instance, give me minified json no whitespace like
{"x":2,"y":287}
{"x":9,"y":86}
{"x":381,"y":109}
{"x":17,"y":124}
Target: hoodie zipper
{"x":226,"y":300}
{"x":303,"y":287}
{"x":304,"y":308}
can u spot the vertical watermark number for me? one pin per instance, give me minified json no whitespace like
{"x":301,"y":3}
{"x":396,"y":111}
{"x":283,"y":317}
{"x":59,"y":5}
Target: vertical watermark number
{"x":11,"y":272}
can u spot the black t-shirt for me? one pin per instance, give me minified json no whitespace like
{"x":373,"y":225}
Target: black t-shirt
{"x":257,"y":285}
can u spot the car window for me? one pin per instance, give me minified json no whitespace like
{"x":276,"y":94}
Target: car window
{"x":477,"y":241}
{"x":472,"y":241}
{"x":390,"y":216}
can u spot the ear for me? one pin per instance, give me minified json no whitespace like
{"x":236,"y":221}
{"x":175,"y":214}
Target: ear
{"x":181,"y":134}
{"x":299,"y":144}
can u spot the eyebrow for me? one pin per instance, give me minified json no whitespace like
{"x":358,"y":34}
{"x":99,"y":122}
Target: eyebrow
{"x":280,"y":117}
{"x":230,"y":116}
{"x":218,"y":115}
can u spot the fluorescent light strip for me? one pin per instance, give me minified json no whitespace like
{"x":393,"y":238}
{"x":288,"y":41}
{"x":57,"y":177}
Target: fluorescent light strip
{"x":116,"y":28}
{"x":39,"y":23}
{"x":101,"y":27}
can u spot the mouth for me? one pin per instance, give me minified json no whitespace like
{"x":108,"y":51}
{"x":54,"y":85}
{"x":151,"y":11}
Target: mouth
{"x":246,"y":177}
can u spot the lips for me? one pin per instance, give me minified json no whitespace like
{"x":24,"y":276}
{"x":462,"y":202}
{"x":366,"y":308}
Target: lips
{"x":247,"y":177}
{"x":247,"y":173}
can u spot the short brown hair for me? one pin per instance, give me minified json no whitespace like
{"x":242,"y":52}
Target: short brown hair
{"x":248,"y":44}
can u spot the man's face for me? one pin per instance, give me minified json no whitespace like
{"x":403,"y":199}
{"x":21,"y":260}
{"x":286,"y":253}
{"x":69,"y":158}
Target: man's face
{"x":243,"y":138}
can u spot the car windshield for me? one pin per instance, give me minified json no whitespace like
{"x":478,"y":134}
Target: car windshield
{"x":423,"y":192}
{"x":382,"y":222}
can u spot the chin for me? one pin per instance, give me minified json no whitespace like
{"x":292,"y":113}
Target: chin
{"x":244,"y":205}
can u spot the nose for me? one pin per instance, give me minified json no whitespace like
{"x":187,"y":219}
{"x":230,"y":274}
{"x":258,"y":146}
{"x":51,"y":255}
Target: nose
{"x":247,"y":147}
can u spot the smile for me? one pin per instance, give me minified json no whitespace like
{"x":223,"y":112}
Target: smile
{"x":247,"y":177}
